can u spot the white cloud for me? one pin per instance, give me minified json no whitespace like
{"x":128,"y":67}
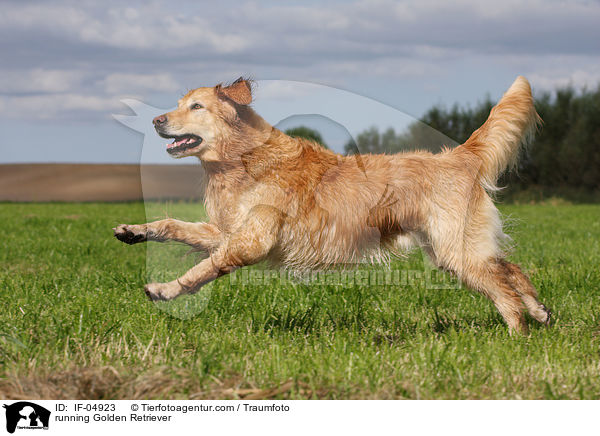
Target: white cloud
{"x":101,"y":50}
{"x":128,"y":83}
{"x":381,"y":26}
{"x":147,"y":28}
{"x":39,"y":80}
{"x":283,"y":89}
{"x":39,"y":107}
{"x":560,"y":79}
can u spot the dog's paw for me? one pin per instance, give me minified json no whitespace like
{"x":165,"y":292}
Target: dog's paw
{"x":130,"y":234}
{"x":548,"y":315}
{"x":162,"y":291}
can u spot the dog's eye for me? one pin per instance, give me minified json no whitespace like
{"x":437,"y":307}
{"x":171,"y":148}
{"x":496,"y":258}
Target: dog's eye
{"x":196,"y":106}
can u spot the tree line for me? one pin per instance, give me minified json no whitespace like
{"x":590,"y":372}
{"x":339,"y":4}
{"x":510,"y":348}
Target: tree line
{"x":563,"y":160}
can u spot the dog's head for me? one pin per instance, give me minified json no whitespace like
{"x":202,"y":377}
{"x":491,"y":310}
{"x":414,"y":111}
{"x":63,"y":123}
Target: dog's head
{"x":204,"y":120}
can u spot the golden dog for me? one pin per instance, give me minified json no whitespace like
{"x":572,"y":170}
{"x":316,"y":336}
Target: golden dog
{"x":292,"y":202}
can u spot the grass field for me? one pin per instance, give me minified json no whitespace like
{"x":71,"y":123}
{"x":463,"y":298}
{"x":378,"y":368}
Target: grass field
{"x":75,"y":323}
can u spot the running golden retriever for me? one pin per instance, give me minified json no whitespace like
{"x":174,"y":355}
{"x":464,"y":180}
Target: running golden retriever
{"x":293,"y":203}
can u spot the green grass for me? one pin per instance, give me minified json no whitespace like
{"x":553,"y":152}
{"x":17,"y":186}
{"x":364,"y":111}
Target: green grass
{"x":75,"y":323}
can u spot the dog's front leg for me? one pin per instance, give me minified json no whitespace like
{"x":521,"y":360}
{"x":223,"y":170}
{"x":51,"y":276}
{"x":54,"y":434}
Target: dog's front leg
{"x":204,"y":236}
{"x":250,"y":244}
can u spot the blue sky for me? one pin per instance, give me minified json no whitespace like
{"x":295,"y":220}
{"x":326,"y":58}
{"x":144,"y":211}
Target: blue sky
{"x":67,"y":65}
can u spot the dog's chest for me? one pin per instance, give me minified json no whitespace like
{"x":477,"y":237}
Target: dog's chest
{"x":222,"y":199}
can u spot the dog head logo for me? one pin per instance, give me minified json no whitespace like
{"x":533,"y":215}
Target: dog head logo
{"x":26,"y":415}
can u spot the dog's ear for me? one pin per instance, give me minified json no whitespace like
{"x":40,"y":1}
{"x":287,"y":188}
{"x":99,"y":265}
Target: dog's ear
{"x":239,"y":92}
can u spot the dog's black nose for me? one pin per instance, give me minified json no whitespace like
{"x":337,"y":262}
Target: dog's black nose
{"x":161,"y":119}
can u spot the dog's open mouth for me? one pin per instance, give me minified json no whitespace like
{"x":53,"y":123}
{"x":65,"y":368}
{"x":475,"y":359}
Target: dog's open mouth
{"x":183,"y":143}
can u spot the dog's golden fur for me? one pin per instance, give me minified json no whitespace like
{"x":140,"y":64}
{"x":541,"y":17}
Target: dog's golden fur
{"x":290,"y":201}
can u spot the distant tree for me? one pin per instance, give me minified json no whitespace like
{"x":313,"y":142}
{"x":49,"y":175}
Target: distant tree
{"x":458,"y":123}
{"x":418,"y":136}
{"x":307,"y":133}
{"x":368,"y":141}
{"x":564,"y":158}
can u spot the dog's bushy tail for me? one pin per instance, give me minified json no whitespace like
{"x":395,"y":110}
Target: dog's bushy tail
{"x":511,"y":125}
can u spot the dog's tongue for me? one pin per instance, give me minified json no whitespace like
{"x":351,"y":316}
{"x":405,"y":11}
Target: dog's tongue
{"x":179,"y":142}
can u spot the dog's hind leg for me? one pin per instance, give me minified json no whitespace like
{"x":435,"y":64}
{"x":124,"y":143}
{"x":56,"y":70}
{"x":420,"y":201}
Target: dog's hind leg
{"x":527,"y":291}
{"x":203,"y":236}
{"x":489,"y":279}
{"x":250,"y":244}
{"x":469,"y":247}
